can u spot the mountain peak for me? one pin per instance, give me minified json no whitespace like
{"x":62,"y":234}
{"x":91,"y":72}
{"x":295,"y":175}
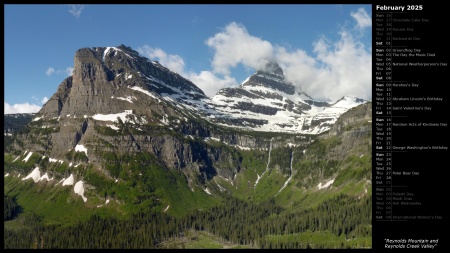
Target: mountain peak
{"x":104,"y":72}
{"x":271,"y":77}
{"x":273,"y":68}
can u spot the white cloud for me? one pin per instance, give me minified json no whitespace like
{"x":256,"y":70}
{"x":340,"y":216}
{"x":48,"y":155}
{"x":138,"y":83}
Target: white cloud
{"x":235,"y":45}
{"x":232,"y":46}
{"x":363,"y":19}
{"x":298,"y":67}
{"x":76,"y":9}
{"x":205,"y":80}
{"x":68,"y":71}
{"x":21,"y":108}
{"x":50,"y":71}
{"x":209,"y":83}
{"x":345,"y":68}
{"x":44,"y":100}
{"x":173,"y":62}
{"x":334,"y":69}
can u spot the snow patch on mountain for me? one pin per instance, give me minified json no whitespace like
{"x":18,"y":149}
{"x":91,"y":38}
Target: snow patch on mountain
{"x":27,"y":157}
{"x":305,"y":116}
{"x":79,"y":189}
{"x":241,"y":147}
{"x":108,"y":50}
{"x":81,"y":148}
{"x":35,"y":175}
{"x":45,"y":176}
{"x":113,"y":127}
{"x":60,"y":181}
{"x":106,"y":202}
{"x":207,"y":191}
{"x":145,"y":92}
{"x":165,"y":120}
{"x":326,"y":185}
{"x":113,"y":117}
{"x":211,"y":139}
{"x":220,"y":187}
{"x":16,"y":158}
{"x":69,"y":180}
{"x":291,"y":145}
{"x":128,"y":98}
{"x":52,"y":160}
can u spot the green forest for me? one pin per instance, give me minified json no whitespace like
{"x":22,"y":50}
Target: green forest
{"x":264,"y":225}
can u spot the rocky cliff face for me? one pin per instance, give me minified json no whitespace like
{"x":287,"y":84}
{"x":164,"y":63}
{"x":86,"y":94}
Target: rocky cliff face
{"x":102,"y":74}
{"x":353,"y":128}
{"x":357,"y":117}
{"x":107,"y":82}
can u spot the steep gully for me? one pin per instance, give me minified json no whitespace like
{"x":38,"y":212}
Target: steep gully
{"x":290,"y":177}
{"x":267,"y":167}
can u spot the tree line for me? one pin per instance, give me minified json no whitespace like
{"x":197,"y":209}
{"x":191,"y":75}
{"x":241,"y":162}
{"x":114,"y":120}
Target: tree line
{"x":236,"y":221}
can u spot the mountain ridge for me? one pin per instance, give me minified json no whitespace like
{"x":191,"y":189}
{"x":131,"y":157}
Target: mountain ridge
{"x":297,"y":111}
{"x":114,"y":90}
{"x":266,"y":101}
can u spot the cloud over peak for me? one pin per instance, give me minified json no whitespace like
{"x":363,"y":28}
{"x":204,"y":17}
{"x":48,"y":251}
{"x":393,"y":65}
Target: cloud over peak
{"x":333,"y":69}
{"x":235,"y":45}
{"x":173,"y":62}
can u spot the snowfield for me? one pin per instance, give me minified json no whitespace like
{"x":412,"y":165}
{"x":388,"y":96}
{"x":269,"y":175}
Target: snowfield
{"x":81,"y":148}
{"x":79,"y":189}
{"x":112,"y":117}
{"x":35,"y":175}
{"x":69,"y":180}
{"x":207,"y":191}
{"x":326,"y":185}
{"x":27,"y":157}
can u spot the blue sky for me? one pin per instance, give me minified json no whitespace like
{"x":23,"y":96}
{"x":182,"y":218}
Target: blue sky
{"x":325,"y":50}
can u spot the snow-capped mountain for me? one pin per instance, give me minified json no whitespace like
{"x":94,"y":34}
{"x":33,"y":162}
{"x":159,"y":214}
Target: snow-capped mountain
{"x":267,"y":102}
{"x":264,"y":102}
